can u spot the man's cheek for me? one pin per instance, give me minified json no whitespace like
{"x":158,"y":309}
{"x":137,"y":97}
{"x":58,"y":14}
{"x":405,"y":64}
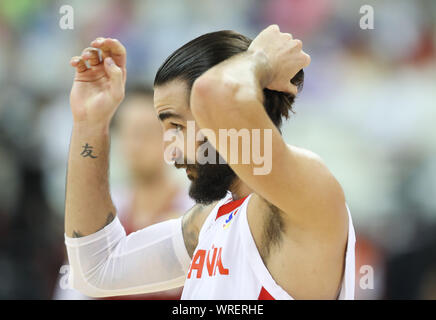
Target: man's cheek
{"x":173,"y":147}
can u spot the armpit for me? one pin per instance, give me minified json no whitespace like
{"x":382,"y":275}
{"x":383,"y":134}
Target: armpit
{"x":192,"y":222}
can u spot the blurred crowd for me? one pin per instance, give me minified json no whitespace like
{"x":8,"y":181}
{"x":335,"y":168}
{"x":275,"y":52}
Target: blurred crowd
{"x":367,"y":108}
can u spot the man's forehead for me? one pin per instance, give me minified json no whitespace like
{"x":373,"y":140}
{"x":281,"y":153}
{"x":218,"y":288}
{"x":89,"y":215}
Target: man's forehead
{"x":172,"y":96}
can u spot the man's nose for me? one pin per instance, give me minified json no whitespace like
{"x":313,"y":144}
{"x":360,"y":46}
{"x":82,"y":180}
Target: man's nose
{"x":173,"y":154}
{"x":177,"y":155}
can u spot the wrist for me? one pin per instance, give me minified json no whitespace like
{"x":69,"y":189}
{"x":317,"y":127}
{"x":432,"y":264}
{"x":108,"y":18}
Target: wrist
{"x":263,"y":68}
{"x":85,"y":127}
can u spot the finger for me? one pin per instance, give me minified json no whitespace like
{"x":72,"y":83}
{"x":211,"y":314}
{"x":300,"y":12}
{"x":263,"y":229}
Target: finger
{"x":274,"y":27}
{"x":288,"y":35}
{"x":115,"y":75}
{"x":306,"y":59}
{"x":91,"y":55}
{"x":111,"y":48}
{"x":78,"y":63}
{"x":98,"y":44}
{"x":298,"y":44}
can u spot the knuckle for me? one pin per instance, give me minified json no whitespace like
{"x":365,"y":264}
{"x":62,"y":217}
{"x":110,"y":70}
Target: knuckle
{"x":99,"y":40}
{"x":287,"y":36}
{"x":89,"y":49}
{"x":306,"y":59}
{"x":274,"y":27}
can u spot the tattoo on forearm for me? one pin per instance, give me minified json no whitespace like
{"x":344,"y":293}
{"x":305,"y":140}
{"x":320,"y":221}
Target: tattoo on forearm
{"x":87,"y":151}
{"x":109,"y":219}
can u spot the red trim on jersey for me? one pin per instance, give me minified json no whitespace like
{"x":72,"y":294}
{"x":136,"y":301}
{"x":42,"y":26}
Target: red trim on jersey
{"x":264,"y":295}
{"x":229,"y":206}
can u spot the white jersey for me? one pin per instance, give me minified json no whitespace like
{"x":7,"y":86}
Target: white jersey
{"x":227,"y":265}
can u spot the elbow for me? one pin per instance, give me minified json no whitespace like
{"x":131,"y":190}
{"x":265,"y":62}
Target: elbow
{"x":91,"y":261}
{"x":79,"y":282}
{"x":211,"y":94}
{"x":95,"y":284}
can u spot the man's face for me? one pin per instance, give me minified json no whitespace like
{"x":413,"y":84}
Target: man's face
{"x":210,"y":181}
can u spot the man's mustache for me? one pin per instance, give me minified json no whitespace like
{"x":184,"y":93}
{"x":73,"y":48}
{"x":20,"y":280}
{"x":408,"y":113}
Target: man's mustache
{"x":183,"y":165}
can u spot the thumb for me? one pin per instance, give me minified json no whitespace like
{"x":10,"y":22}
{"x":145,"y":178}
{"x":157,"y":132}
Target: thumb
{"x":114,"y":73}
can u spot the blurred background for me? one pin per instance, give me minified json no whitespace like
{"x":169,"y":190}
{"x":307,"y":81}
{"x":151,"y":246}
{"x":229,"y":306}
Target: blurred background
{"x":367,"y":108}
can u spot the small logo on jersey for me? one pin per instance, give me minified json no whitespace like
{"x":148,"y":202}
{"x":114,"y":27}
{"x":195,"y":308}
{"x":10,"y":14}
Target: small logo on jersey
{"x":230,"y":218}
{"x":211,"y":259}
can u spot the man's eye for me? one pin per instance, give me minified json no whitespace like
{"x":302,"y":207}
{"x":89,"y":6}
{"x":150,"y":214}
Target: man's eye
{"x":178,"y":127}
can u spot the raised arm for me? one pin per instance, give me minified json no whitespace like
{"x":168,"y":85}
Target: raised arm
{"x":230,"y":95}
{"x":103,"y":260}
{"x":94,"y":98}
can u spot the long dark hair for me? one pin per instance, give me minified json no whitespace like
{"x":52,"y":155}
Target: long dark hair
{"x":197,"y":56}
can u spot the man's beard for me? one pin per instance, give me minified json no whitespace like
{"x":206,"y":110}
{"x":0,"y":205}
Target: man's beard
{"x":210,"y":182}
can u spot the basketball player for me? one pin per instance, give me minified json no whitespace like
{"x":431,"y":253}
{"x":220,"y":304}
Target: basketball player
{"x":287,"y":234}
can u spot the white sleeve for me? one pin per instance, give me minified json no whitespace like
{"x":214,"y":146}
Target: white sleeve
{"x":109,"y":263}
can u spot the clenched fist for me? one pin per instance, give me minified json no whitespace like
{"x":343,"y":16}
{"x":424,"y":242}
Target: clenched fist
{"x":284,"y":56}
{"x":97,"y":91}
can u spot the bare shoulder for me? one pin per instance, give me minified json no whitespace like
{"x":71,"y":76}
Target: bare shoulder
{"x":324,"y":179}
{"x":317,"y":175}
{"x":192,"y":222}
{"x":323,"y":205}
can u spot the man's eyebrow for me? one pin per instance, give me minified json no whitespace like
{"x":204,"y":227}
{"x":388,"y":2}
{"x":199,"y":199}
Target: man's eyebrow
{"x":167,"y":114}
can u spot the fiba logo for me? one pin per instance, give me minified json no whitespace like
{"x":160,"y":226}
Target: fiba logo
{"x":230,"y":218}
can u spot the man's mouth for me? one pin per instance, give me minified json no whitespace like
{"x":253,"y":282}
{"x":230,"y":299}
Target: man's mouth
{"x":180,"y":166}
{"x":189,"y":171}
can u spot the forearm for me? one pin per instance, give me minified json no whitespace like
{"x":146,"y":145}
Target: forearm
{"x":231,"y":97}
{"x":103,"y":260}
{"x":109,"y":263}
{"x":88,"y":204}
{"x":244,"y":76}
